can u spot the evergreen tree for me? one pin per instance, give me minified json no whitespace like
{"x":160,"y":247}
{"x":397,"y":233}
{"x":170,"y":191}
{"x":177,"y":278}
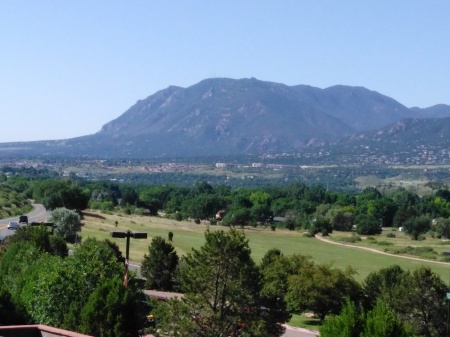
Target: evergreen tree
{"x":383,"y":322}
{"x":347,"y":324}
{"x":113,"y":310}
{"x":222,"y":286}
{"x":158,"y":267}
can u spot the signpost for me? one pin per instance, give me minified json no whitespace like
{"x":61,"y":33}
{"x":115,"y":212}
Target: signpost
{"x":128,"y":234}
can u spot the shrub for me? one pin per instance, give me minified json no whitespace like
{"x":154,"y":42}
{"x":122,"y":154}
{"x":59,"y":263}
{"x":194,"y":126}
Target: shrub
{"x":445,"y":258}
{"x":384,"y":243}
{"x":424,"y":252}
{"x":390,"y":235}
{"x":354,"y":238}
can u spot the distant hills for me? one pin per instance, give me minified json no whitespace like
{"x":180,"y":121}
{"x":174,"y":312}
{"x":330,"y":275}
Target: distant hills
{"x":413,"y":131}
{"x":228,"y":117}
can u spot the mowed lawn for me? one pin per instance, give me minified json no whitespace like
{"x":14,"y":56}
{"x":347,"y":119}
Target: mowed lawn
{"x":188,"y":235}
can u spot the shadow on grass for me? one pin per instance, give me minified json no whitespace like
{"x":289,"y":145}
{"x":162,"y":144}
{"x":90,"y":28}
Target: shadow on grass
{"x":312,"y":323}
{"x":304,"y":321}
{"x":93,"y":215}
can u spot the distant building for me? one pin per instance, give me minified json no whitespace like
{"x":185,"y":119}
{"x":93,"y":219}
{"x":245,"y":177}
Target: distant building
{"x":221,"y":165}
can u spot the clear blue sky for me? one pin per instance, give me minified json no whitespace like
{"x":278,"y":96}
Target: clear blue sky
{"x":69,"y":67}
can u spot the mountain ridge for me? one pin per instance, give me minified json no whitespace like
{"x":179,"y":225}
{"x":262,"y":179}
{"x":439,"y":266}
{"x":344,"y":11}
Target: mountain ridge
{"x":223,"y":116}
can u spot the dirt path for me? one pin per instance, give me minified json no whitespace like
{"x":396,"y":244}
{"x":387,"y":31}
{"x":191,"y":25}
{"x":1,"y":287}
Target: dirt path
{"x":320,"y":238}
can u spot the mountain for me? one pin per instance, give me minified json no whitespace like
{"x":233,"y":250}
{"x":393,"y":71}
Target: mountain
{"x":410,"y":141}
{"x":407,"y":133}
{"x":435,"y":111}
{"x":223,"y":116}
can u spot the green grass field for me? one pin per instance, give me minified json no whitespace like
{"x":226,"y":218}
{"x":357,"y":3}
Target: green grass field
{"x":188,"y":235}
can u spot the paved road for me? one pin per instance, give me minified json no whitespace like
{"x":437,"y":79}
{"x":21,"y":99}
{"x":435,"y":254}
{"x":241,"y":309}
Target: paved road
{"x":299,"y":332}
{"x":290,"y":332}
{"x":38,"y":214}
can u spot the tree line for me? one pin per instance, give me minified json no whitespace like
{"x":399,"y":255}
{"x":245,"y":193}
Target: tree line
{"x":296,"y":206}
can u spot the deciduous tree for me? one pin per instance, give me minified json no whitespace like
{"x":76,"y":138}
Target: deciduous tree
{"x":416,"y":226}
{"x":59,"y":193}
{"x":67,"y":223}
{"x":418,"y":298}
{"x":40,"y":237}
{"x":321,"y":289}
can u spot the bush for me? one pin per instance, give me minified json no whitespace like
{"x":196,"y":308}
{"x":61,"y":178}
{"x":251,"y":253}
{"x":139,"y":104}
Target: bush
{"x":445,"y":258}
{"x":424,"y":252}
{"x":390,"y":235}
{"x":384,"y":243}
{"x":354,"y":238}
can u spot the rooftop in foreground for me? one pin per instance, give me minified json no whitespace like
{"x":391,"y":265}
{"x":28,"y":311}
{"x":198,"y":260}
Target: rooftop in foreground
{"x":36,"y":331}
